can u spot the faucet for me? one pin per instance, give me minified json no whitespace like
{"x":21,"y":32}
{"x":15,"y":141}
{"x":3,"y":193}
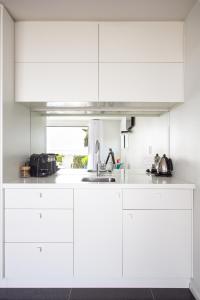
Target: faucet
{"x":97,"y":151}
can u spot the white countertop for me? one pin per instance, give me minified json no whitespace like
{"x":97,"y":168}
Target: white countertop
{"x":73,"y":179}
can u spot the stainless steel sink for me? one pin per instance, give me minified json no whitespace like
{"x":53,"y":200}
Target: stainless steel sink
{"x":98,"y":179}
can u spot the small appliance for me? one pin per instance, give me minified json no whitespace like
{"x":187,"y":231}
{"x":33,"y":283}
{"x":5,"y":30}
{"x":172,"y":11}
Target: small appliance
{"x":165,"y":166}
{"x":43,"y":164}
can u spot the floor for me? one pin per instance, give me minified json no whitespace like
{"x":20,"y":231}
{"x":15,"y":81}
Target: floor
{"x":95,"y":294}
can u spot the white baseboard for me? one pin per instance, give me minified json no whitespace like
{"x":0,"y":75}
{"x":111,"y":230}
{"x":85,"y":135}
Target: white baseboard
{"x":140,"y":283}
{"x":195,"y":290}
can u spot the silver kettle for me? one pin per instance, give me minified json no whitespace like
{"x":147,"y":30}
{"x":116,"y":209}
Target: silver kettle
{"x":165,"y":166}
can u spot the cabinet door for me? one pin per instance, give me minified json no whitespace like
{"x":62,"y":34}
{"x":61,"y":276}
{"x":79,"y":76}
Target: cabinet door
{"x":43,"y":82}
{"x":157,"y":244}
{"x":98,"y":233}
{"x":38,"y":262}
{"x":161,"y":82}
{"x":56,"y":42}
{"x":32,"y":225}
{"x":141,"y":41}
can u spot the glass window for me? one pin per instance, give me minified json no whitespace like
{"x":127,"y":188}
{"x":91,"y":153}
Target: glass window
{"x":71,"y":145}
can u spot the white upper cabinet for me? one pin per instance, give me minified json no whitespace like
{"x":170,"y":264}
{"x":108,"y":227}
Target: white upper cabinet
{"x":56,"y":42}
{"x":106,"y":61}
{"x":141,"y":42}
{"x":141,"y":61}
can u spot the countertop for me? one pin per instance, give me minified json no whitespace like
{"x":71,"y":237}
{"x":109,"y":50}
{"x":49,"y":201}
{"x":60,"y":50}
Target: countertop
{"x":124,"y":179}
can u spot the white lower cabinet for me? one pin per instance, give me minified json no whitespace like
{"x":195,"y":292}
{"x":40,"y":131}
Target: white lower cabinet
{"x":157,"y":244}
{"x":38,"y":261}
{"x":98,"y":234}
{"x":123,"y":237}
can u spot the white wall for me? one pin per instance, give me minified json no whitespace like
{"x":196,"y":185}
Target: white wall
{"x":16,"y":117}
{"x":185,"y":128}
{"x":108,"y":134}
{"x":110,"y":131}
{"x":38,"y":133}
{"x":149,"y":136}
{"x":1,"y":146}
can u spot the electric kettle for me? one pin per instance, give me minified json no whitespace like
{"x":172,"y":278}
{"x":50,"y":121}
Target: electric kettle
{"x":165,"y":166}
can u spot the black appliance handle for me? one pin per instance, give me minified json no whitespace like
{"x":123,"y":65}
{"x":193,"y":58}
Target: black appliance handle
{"x":111,"y":153}
{"x":170,"y":167}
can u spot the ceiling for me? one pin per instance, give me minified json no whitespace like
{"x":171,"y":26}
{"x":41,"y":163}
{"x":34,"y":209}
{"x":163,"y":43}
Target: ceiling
{"x":99,"y":10}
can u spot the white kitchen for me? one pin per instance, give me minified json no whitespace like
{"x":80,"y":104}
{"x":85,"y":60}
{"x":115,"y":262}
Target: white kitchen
{"x":99,"y":149}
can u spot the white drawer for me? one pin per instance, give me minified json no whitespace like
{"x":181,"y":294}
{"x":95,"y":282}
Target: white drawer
{"x":38,"y":261}
{"x":39,"y":198}
{"x":157,"y":199}
{"x":33,"y":225}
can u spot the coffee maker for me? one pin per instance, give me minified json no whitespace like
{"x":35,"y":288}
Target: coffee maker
{"x":43,"y":164}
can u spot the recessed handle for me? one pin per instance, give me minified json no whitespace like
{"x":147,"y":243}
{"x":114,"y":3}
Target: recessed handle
{"x":130,"y":216}
{"x":41,"y":195}
{"x":40,"y":248}
{"x":157,"y":196}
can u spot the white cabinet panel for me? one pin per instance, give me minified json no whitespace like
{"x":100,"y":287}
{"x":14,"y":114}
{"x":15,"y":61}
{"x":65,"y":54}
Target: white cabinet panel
{"x":56,"y":42}
{"x":141,"y":42}
{"x":32,"y":225}
{"x":157,"y":244}
{"x":38,"y":198}
{"x":98,"y":233}
{"x":161,"y":82}
{"x":157,"y":199}
{"x":34,"y":261}
{"x":45,"y":82}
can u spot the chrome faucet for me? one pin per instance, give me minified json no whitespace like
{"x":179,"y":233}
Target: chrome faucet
{"x":97,"y":151}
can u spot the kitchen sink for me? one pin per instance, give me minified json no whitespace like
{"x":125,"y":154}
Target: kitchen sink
{"x":98,"y":179}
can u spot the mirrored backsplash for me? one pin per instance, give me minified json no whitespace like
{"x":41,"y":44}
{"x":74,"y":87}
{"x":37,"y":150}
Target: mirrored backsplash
{"x":74,"y":139}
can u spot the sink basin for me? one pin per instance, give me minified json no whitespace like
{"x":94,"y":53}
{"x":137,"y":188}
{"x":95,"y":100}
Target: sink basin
{"x":98,"y":179}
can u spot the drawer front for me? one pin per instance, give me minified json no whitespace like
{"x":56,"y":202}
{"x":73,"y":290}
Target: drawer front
{"x":39,"y":198}
{"x":38,"y":261}
{"x":38,"y":225}
{"x":157,"y":199}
